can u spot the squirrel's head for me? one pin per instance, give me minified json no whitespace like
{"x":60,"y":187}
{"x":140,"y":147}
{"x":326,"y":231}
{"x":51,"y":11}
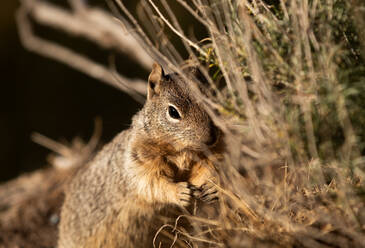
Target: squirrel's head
{"x":173,"y":115}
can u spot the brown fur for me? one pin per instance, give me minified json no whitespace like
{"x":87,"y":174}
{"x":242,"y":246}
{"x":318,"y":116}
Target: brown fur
{"x":155,"y":163}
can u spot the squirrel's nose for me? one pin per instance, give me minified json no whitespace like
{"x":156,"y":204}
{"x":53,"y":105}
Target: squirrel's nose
{"x":213,"y":135}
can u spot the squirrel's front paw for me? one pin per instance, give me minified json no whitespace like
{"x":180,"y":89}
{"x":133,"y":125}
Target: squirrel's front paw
{"x":207,"y":193}
{"x":184,"y":193}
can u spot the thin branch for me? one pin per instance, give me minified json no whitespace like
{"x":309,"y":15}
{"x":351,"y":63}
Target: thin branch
{"x":74,"y":60}
{"x":138,"y":33}
{"x":183,"y":37}
{"x":93,"y":24}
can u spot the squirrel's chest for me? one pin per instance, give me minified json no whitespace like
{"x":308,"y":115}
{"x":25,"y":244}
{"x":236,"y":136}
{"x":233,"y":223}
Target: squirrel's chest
{"x":161,"y":159}
{"x":179,"y":165}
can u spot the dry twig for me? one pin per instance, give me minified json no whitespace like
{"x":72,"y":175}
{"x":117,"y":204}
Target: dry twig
{"x":93,"y":24}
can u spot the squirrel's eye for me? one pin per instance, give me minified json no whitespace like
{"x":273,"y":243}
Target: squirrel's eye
{"x":174,"y":113}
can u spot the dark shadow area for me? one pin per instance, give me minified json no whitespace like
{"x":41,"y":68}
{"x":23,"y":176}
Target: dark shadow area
{"x":40,"y":95}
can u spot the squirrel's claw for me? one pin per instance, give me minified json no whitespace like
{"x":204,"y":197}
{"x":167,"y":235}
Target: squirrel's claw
{"x":206,"y":193}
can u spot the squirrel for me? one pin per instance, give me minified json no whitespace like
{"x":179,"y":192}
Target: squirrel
{"x":159,"y":161}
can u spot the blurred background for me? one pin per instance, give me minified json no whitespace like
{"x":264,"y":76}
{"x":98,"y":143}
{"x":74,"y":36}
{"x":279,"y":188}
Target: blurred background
{"x":40,"y":95}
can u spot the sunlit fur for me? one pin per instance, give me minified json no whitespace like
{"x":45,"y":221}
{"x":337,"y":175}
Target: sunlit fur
{"x":112,"y":201}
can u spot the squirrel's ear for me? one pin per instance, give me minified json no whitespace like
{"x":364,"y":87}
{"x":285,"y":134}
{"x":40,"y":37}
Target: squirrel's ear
{"x":154,"y":80}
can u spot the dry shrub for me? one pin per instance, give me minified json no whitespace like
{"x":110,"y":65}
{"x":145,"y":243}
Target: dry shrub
{"x":286,"y":86}
{"x":285,"y":83}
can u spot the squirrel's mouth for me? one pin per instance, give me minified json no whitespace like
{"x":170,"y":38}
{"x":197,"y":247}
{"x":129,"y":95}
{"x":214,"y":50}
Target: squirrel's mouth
{"x":212,"y":141}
